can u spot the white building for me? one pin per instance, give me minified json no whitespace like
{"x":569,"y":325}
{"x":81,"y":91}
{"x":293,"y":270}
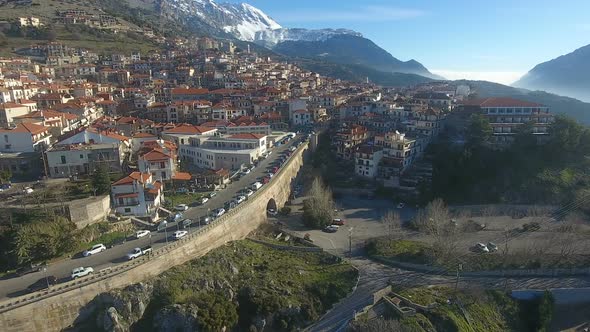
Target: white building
{"x":159,"y":164}
{"x":229,"y":152}
{"x":24,"y":137}
{"x":367,"y":159}
{"x":302,"y":118}
{"x":137,"y":195}
{"x":181,"y":134}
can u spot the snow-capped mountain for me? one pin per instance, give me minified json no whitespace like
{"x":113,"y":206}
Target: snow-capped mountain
{"x":270,"y":38}
{"x":244,"y":22}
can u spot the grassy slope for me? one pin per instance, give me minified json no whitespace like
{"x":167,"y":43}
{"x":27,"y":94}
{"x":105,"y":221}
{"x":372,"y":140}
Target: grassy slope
{"x":46,"y":10}
{"x":487,"y":311}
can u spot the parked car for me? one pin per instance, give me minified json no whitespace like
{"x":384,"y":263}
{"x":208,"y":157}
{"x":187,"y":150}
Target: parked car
{"x":338,"y":221}
{"x":246,"y":171}
{"x":204,"y":200}
{"x":331,"y":229}
{"x":240,"y":199}
{"x":186,"y":223}
{"x":206,"y":220}
{"x":81,"y":272}
{"x":227,"y":206}
{"x":492,"y":246}
{"x":181,"y":207}
{"x":256,"y":185}
{"x":179,"y":235}
{"x":212,"y":194}
{"x":175,"y":217}
{"x":5,"y":186}
{"x":219,"y":212}
{"x":162,"y":225}
{"x":248,"y":192}
{"x":95,"y":249}
{"x":42,"y":284}
{"x":30,"y":268}
{"x":401,"y":205}
{"x":137,"y":252}
{"x":182,"y":191}
{"x":272,"y":212}
{"x":141,"y":233}
{"x":480,"y":247}
{"x":28,"y":190}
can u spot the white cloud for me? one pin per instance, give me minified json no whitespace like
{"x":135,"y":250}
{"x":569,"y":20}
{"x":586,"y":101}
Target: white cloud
{"x":503,"y":77}
{"x":364,"y":14}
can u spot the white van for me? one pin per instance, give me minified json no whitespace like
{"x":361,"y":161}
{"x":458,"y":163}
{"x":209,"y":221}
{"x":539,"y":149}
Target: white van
{"x":256,"y":185}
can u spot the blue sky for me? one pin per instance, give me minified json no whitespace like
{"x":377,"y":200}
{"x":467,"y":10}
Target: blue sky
{"x":497,"y":40}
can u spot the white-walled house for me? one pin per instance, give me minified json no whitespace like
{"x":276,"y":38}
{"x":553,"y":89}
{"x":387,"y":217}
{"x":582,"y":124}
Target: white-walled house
{"x":137,"y":195}
{"x":159,"y":164}
{"x":24,"y":137}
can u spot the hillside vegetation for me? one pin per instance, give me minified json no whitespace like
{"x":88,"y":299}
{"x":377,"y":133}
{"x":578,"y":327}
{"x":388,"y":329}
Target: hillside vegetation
{"x":244,"y":286}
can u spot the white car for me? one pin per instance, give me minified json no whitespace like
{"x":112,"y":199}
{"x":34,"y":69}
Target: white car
{"x":219,"y":212}
{"x":246,"y":171}
{"x":179,"y":234}
{"x":240,"y":199}
{"x":249,"y":192}
{"x":272,"y":212}
{"x":97,"y":248}
{"x":204,"y":200}
{"x":482,"y":248}
{"x":28,"y":190}
{"x":81,"y":272}
{"x":181,"y":207}
{"x":142,"y":233}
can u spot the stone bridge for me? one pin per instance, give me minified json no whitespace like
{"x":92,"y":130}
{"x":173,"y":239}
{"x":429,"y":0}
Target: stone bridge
{"x":59,"y":308}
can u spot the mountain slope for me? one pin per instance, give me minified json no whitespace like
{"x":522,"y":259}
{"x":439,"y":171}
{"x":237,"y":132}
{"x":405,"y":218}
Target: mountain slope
{"x":566,"y":75}
{"x":351,"y":50}
{"x":558,"y":104}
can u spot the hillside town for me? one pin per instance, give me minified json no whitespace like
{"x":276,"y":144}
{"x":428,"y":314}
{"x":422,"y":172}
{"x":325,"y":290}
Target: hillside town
{"x":205,"y":110}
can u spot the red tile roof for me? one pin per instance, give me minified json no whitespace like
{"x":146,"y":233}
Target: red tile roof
{"x":26,"y":127}
{"x":188,"y":129}
{"x":182,"y":176}
{"x":155,"y":154}
{"x":247,"y":136}
{"x":135,"y":176}
{"x":190,"y":91}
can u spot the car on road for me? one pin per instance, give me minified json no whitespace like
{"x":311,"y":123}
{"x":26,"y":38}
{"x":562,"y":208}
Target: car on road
{"x":212,"y":194}
{"x":204,"y":200}
{"x":186,"y":223}
{"x":179,"y":235}
{"x":227,"y":206}
{"x":248,"y":192}
{"x":331,"y":229}
{"x":338,"y":221}
{"x":219,"y":212}
{"x":81,"y":272}
{"x":42,"y":284}
{"x":240,"y":199}
{"x":95,"y":249}
{"x":30,"y":268}
{"x":401,"y":205}
{"x":246,"y":171}
{"x":272,"y":212}
{"x":492,"y":246}
{"x":137,"y":252}
{"x":480,"y":247}
{"x":181,"y":207}
{"x":256,"y":185}
{"x":141,"y":233}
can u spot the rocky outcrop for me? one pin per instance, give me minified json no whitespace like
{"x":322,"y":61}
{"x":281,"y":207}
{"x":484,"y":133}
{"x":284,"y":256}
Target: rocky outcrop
{"x":119,"y":309}
{"x":176,"y":317}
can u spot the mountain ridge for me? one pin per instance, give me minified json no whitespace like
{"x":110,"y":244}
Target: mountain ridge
{"x":564,"y":75}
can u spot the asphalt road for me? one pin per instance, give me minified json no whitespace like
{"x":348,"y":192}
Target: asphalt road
{"x":12,"y":285}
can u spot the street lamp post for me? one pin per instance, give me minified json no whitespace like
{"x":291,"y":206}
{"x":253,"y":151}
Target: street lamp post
{"x":166,"y":234}
{"x":46,"y":278}
{"x":350,"y":242}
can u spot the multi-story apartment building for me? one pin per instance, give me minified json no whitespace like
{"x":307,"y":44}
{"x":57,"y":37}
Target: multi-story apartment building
{"x":24,"y":137}
{"x":157,"y":162}
{"x":367,"y":159}
{"x":84,"y":159}
{"x":348,"y":138}
{"x":507,"y":114}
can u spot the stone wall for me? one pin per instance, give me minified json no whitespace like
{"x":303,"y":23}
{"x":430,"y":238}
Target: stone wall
{"x":84,"y":212}
{"x":57,"y":312}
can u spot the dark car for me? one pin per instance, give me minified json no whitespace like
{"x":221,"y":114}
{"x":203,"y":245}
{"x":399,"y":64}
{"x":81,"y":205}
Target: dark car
{"x":30,"y":268}
{"x":42,"y":284}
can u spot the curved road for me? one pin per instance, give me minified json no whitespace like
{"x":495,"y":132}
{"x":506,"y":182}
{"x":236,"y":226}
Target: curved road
{"x":12,"y":286}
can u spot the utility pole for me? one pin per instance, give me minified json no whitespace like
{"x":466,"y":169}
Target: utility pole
{"x":459,"y":268}
{"x":350,"y":242}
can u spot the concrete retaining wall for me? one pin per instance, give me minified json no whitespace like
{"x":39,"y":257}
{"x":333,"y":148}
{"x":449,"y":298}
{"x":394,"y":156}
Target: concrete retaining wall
{"x":561,"y":295}
{"x":84,"y":212}
{"x":67,"y":302}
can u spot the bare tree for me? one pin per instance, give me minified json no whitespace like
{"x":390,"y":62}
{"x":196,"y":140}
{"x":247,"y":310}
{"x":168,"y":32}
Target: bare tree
{"x":318,"y":209}
{"x":393,"y":224}
{"x":435,"y":221}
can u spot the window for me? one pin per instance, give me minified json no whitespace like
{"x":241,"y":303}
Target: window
{"x":127,"y":210}
{"x":6,"y":138}
{"x":81,"y":156}
{"x":163,"y":174}
{"x":63,"y":159}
